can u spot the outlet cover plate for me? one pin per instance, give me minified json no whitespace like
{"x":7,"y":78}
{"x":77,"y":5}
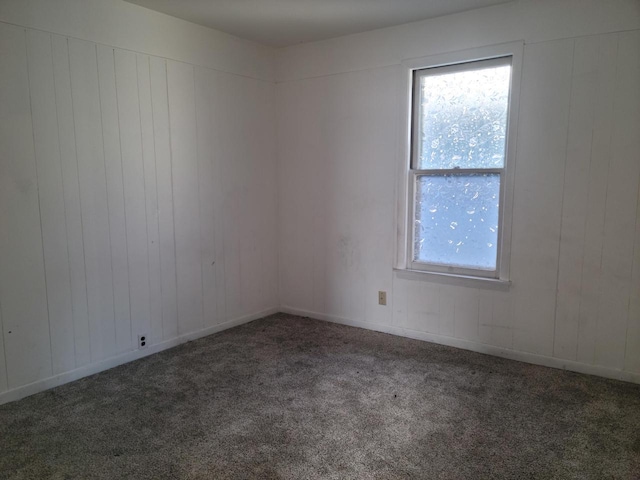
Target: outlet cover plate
{"x":382,"y":298}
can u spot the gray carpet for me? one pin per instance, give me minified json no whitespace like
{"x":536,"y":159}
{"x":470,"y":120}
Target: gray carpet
{"x":294,"y":398}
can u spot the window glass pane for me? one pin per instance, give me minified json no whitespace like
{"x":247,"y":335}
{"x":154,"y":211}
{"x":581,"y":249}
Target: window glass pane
{"x":462,"y":118}
{"x":456,"y":220}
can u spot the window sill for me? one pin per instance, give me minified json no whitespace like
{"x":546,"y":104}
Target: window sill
{"x":453,"y":279}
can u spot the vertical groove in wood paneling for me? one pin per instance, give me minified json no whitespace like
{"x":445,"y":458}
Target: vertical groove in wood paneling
{"x":71,"y":187}
{"x":596,"y":198}
{"x":541,"y":152}
{"x":424,"y":312}
{"x":227,"y":132}
{"x":379,"y":104}
{"x":71,"y":312}
{"x":399,"y":303}
{"x":217,"y":118}
{"x":39,"y":203}
{"x":256,"y":200}
{"x":263,"y":127}
{"x":466,"y":321}
{"x":563,"y":196}
{"x":198,"y":155}
{"x":245,"y":189}
{"x":93,"y":194}
{"x":151,"y":197}
{"x":23,"y":293}
{"x":575,"y":196}
{"x":51,"y":200}
{"x":204,"y":144}
{"x":200,"y":199}
{"x":162,"y":143}
{"x":497,"y":328}
{"x":620,"y":209}
{"x":270,"y":193}
{"x":185,"y":195}
{"x":446,"y":310}
{"x":134,"y":191}
{"x":115,"y":197}
{"x":112,"y":343}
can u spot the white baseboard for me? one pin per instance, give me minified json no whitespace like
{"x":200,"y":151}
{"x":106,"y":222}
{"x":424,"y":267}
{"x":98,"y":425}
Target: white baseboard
{"x":86,"y":370}
{"x":475,"y":346}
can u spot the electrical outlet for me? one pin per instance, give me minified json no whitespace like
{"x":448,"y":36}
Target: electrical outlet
{"x":382,"y":298}
{"x":142,"y":341}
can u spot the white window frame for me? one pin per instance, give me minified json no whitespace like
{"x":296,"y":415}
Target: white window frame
{"x":462,"y":60}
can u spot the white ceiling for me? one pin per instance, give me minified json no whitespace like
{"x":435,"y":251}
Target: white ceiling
{"x":281,"y":23}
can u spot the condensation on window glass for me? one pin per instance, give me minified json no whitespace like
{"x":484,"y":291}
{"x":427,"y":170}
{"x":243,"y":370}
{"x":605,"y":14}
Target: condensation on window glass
{"x":463,"y":119}
{"x":456,"y":220}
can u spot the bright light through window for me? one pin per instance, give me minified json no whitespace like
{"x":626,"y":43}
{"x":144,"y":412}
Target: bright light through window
{"x":458,"y":161}
{"x":456,"y":220}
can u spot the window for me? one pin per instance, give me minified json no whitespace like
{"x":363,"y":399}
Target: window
{"x":459,"y":177}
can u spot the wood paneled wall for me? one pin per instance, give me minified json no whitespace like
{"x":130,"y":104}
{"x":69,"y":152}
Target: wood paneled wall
{"x":574,"y":299}
{"x":137,"y":196}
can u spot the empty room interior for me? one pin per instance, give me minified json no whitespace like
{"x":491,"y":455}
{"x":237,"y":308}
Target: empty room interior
{"x":320,"y":239}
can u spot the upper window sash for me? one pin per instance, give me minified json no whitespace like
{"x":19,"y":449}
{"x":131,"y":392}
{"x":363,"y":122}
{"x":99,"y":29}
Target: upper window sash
{"x":417,"y":110}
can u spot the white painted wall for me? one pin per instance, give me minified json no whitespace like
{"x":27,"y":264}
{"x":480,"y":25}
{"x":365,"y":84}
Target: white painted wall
{"x":137,"y":186}
{"x":575,"y":266}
